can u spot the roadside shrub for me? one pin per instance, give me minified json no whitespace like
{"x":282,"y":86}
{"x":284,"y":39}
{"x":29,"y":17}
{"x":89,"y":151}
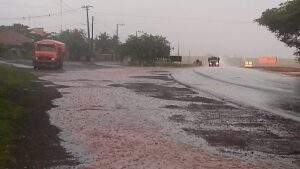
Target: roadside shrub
{"x":3,"y":49}
{"x":26,"y":50}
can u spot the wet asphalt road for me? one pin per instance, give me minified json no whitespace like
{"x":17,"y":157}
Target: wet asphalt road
{"x":113,"y":116}
{"x":276,"y":93}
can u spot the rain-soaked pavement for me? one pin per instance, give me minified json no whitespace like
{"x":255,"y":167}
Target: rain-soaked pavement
{"x":131,"y":118}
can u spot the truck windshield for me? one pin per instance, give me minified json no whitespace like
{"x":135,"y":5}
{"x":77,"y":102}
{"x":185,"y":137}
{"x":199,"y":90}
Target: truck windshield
{"x":213,"y":59}
{"x":46,"y":47}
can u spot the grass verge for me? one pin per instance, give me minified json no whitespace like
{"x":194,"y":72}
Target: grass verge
{"x":11,"y":79}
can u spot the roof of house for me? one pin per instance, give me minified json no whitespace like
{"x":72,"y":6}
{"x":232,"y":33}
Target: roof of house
{"x":13,"y":38}
{"x":39,"y":31}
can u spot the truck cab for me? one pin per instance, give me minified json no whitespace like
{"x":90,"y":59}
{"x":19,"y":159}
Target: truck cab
{"x":49,"y":53}
{"x":213,"y":61}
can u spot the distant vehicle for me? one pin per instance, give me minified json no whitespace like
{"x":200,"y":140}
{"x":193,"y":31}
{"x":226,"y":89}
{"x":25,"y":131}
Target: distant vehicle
{"x":214,"y":61}
{"x":248,"y":64}
{"x":49,"y":53}
{"x":198,"y":62}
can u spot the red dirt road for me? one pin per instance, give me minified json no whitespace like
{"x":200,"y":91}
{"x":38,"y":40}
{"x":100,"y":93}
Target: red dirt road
{"x":136,"y":150}
{"x":117,"y":128}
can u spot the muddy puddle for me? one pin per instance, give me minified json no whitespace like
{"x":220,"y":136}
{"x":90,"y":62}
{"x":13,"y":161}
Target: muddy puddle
{"x":164,"y":77}
{"x":241,"y":131}
{"x":166,"y":92}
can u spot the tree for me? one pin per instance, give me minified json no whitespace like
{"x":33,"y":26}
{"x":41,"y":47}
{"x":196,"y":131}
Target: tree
{"x":106,"y":44}
{"x":24,"y":50}
{"x":3,"y":49}
{"x":146,"y":48}
{"x":284,"y":21}
{"x":103,"y":43}
{"x":23,"y":29}
{"x":76,"y":43}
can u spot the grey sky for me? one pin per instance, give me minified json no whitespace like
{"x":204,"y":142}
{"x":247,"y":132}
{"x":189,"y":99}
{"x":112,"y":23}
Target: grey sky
{"x":220,"y":27}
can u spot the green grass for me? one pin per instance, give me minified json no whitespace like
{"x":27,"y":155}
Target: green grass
{"x":10,"y":79}
{"x":13,"y":78}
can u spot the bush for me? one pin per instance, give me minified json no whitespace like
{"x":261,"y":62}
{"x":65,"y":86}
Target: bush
{"x":3,"y":49}
{"x":76,"y":43}
{"x":145,"y":49}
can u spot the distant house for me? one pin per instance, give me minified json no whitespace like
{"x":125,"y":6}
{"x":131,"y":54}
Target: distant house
{"x":12,"y":38}
{"x":39,"y":31}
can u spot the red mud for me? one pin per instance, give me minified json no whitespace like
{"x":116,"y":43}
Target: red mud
{"x":113,"y":149}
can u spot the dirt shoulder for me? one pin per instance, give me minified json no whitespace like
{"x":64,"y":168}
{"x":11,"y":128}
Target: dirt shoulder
{"x":32,"y":141}
{"x":293,"y":71}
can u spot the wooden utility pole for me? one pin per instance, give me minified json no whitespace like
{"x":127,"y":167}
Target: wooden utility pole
{"x":87,"y":7}
{"x":61,"y":17}
{"x":88,"y":56}
{"x":178,"y":51}
{"x":117,"y":32}
{"x":92,"y":45}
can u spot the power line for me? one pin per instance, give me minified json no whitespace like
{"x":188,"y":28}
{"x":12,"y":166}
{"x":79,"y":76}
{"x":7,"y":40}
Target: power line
{"x":67,"y":5}
{"x":175,"y":18}
{"x":69,"y":24}
{"x":102,"y":24}
{"x":41,"y":16}
{"x":25,"y":5}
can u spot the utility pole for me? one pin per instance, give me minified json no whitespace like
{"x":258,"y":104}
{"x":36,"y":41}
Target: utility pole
{"x":29,"y":20}
{"x":117,"y":32}
{"x":61,"y":17}
{"x":93,"y":18}
{"x":87,"y":7}
{"x":178,"y":49}
{"x":189,"y":56}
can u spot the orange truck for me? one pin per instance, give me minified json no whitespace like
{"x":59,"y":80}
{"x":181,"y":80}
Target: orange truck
{"x":49,"y":53}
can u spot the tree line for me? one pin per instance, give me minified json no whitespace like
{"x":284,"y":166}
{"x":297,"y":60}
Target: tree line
{"x":143,"y":49}
{"x":283,"y":21}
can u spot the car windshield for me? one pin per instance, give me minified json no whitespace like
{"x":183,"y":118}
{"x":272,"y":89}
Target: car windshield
{"x":213,"y":58}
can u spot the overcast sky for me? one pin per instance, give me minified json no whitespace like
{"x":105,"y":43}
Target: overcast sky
{"x":201,"y":27}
